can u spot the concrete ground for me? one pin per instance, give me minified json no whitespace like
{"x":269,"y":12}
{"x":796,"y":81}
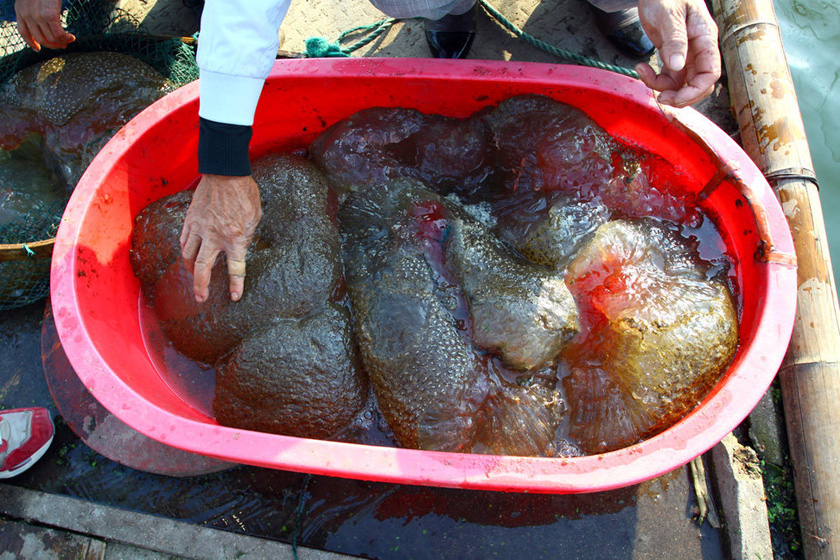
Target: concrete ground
{"x":35,"y":524}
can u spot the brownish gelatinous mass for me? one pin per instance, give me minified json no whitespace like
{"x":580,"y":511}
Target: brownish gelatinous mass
{"x":542,"y":145}
{"x":431,"y":288}
{"x":657,"y":334}
{"x":285,"y":330}
{"x":297,"y":377}
{"x":380,"y":144}
{"x":71,"y":105}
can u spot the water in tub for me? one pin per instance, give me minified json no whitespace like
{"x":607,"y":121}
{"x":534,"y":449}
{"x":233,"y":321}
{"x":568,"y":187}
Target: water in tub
{"x":513,"y":283}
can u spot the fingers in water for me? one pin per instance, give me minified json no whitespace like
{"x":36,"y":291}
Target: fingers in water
{"x":190,"y":246}
{"x":204,"y":262}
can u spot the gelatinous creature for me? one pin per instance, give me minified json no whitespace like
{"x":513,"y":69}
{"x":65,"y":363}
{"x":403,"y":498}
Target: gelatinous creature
{"x":562,"y":176}
{"x":297,"y":377}
{"x":378,"y":144}
{"x":543,"y":145}
{"x":73,"y":103}
{"x":155,"y":244}
{"x":523,"y":311}
{"x":428,"y":379}
{"x":293,"y":262}
{"x":285,"y":331}
{"x":430,"y":287}
{"x":656,"y":335}
{"x":554,"y":240}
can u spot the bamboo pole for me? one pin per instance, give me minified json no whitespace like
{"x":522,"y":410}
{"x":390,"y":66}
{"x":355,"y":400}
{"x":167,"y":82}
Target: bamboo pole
{"x":772,"y":133}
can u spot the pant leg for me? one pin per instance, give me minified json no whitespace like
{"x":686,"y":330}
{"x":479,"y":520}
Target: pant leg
{"x":428,"y":9}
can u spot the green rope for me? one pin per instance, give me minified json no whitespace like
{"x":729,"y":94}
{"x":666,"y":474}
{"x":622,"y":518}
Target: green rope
{"x":566,"y":55}
{"x":318,"y":47}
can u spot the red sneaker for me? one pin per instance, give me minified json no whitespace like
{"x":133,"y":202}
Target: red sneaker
{"x":25,"y":435}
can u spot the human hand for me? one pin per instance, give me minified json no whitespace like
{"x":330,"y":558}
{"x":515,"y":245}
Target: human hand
{"x":223,"y":216}
{"x":39,"y":23}
{"x":687,"y":39}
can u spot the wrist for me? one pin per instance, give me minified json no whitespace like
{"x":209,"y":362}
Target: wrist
{"x":223,"y":148}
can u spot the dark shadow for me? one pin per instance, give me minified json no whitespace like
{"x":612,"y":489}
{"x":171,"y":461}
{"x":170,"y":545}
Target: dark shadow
{"x":173,"y":18}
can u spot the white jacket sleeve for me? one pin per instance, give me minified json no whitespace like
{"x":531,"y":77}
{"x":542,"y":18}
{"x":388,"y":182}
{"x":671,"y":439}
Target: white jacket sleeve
{"x":237,"y":46}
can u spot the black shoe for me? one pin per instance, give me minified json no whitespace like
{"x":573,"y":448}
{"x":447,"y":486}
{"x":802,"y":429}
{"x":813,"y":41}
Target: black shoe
{"x":452,"y":35}
{"x":624,"y":30}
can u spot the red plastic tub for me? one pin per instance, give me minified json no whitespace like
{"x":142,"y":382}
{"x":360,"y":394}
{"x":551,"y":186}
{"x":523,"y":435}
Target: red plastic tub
{"x":95,"y":294}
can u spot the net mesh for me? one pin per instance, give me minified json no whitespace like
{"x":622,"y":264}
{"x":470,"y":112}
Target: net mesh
{"x":99,"y":26}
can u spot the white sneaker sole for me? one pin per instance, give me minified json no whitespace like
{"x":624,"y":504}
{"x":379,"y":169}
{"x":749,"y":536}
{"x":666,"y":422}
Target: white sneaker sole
{"x":31,"y":461}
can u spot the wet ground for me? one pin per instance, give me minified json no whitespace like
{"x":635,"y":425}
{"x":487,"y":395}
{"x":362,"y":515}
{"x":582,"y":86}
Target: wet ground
{"x":374,"y":520}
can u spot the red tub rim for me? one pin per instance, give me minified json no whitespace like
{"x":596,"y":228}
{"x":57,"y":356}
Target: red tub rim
{"x":691,"y":437}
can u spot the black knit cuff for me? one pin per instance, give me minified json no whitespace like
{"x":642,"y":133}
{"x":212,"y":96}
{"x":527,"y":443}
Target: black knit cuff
{"x":223,"y":148}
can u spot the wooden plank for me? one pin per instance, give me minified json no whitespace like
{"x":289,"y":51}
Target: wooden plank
{"x":772,"y":133}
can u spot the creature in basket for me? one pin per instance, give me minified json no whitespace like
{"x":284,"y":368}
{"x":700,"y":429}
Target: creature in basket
{"x":72,"y":104}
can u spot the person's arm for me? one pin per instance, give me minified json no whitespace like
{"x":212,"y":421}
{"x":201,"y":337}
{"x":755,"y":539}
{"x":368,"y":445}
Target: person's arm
{"x":236,"y":49}
{"x":39,"y":23}
{"x":687,"y":39}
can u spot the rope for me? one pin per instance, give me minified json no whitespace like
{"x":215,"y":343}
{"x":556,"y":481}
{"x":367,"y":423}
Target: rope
{"x":318,"y":47}
{"x":565,"y":55}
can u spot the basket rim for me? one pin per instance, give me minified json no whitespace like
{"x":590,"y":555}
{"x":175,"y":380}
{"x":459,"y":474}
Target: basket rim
{"x":41,"y":249}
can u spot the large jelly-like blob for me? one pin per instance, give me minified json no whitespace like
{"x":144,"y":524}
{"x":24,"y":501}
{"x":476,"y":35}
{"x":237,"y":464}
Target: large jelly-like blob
{"x":293,"y":263}
{"x":297,"y":377}
{"x":424,"y":278}
{"x":561,"y":176}
{"x":521,"y":310}
{"x":657,"y":334}
{"x":73,"y":104}
{"x":554,"y":240}
{"x":379,"y":144}
{"x":540,"y":144}
{"x":285,"y":331}
{"x":428,"y":379}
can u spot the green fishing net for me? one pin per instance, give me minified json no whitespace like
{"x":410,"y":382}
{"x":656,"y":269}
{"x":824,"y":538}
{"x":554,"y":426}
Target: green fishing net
{"x":26,"y":281}
{"x":99,"y":26}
